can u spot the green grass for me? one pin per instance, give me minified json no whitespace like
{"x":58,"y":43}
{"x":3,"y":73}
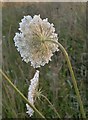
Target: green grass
{"x":55,"y":81}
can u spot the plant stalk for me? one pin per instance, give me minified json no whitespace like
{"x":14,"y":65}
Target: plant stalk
{"x":24,"y":98}
{"x":51,"y":105}
{"x":72,"y":75}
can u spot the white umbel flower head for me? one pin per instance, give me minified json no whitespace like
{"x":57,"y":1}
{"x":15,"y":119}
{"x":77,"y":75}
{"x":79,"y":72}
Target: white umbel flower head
{"x":31,"y":92}
{"x":31,"y":41}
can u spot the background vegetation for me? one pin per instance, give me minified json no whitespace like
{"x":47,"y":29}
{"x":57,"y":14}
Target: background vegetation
{"x":55,"y":81}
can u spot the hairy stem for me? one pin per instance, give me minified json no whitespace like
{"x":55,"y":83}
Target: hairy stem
{"x":72,"y":75}
{"x":24,"y":98}
{"x":51,"y":105}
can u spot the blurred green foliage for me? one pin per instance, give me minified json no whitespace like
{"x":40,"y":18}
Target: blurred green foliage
{"x":55,"y":81}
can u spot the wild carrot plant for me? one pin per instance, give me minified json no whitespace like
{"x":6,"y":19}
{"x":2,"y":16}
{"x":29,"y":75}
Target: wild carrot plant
{"x":37,"y":42}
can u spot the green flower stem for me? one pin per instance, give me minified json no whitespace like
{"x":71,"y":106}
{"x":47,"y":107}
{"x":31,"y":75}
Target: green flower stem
{"x":51,"y":105}
{"x":72,"y":75}
{"x":26,"y":100}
